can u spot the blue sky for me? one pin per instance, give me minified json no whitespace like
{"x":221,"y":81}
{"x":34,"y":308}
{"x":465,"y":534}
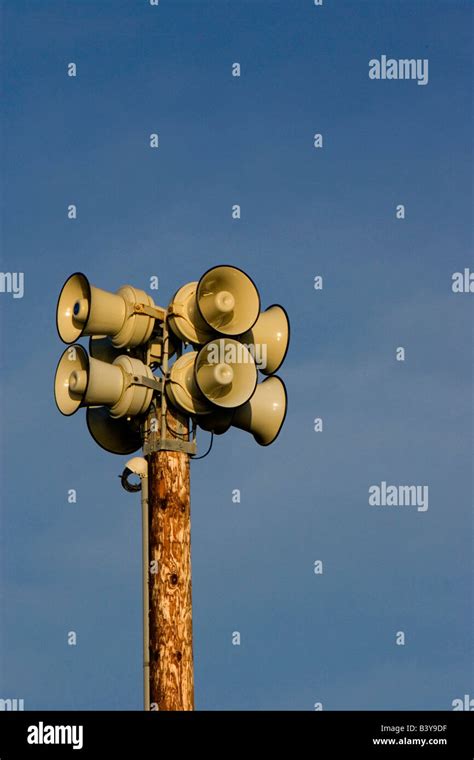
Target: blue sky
{"x":305,"y":212}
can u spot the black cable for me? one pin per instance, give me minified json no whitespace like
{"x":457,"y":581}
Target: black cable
{"x":130,"y":487}
{"x":207,"y":452}
{"x":183,"y":436}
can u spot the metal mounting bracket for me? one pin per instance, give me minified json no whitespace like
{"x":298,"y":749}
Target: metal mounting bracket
{"x":170,"y":444}
{"x":155,"y":385}
{"x":151,"y":311}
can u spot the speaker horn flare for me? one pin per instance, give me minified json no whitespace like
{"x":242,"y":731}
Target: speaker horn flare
{"x":265,"y":413}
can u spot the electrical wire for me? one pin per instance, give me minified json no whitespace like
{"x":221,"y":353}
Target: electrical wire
{"x":186,"y":435}
{"x":130,"y":487}
{"x":183,"y":436}
{"x":207,"y":452}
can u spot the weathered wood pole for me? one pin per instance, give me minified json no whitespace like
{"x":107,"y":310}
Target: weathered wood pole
{"x":171,"y":635}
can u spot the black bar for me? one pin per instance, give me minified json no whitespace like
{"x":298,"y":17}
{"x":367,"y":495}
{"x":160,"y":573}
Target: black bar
{"x":324,"y":734}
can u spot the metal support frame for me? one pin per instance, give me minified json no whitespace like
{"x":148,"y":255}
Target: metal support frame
{"x":160,"y":440}
{"x":156,"y":384}
{"x":158,"y":312}
{"x":171,"y":444}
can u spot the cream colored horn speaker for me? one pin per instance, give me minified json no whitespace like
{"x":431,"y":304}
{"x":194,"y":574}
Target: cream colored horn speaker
{"x":83,"y":381}
{"x":228,"y":300}
{"x":86,"y":310}
{"x":119,"y":436}
{"x":181,"y":387}
{"x":268,"y":339}
{"x":225,"y":373}
{"x":184,"y":318}
{"x":264,"y":414}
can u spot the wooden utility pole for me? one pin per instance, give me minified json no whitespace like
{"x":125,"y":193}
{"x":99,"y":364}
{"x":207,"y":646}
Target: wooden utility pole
{"x":170,"y":621}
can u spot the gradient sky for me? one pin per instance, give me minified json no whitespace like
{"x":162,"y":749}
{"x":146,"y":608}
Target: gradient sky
{"x":305,"y":638}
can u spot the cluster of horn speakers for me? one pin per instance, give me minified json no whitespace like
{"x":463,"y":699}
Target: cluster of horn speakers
{"x":227,"y":341}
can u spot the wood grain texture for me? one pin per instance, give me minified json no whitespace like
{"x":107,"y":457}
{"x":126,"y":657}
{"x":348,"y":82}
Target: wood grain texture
{"x":171,"y":645}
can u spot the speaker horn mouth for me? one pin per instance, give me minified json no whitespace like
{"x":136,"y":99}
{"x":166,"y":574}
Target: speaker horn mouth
{"x":261,"y":415}
{"x":75,"y":294}
{"x":70,"y":385}
{"x":220,"y":308}
{"x":285,"y":313}
{"x":225,"y":373}
{"x":285,"y":320}
{"x":268,"y":443}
